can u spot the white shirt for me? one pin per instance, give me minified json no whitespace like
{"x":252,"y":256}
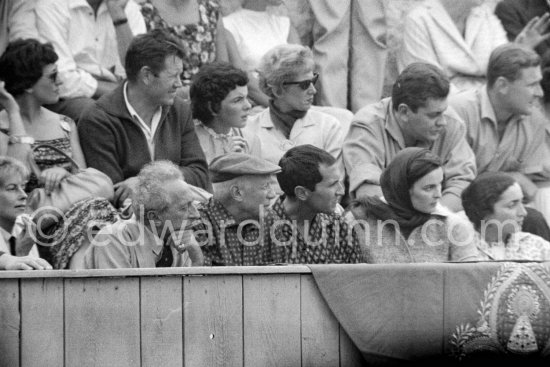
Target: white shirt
{"x":149,"y":132}
{"x":17,"y":20}
{"x":86,"y":44}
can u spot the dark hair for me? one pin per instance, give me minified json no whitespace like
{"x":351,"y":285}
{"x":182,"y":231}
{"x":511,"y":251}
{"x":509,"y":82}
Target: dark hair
{"x":508,"y":60}
{"x":300,"y":167}
{"x":418,"y":83}
{"x":151,"y":49}
{"x":211,"y":85}
{"x":23,"y":62}
{"x":479,"y":198}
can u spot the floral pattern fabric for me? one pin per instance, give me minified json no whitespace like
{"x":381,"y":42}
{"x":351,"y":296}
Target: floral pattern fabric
{"x":197,"y":39}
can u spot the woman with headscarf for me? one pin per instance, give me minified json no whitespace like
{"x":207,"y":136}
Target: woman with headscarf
{"x":409,"y":224}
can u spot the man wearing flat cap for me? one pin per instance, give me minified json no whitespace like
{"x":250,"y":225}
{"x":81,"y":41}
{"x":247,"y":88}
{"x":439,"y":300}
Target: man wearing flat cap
{"x":231,"y":232}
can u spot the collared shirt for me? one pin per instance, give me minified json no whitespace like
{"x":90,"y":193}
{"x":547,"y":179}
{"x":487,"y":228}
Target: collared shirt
{"x":329,"y":238}
{"x":375,"y":138}
{"x":128,"y":244}
{"x":149,"y":132}
{"x":17,"y":20}
{"x":85,"y":43}
{"x":225,"y":242}
{"x":522,"y":147}
{"x":316,"y":128}
{"x":430,"y":35}
{"x":19,"y":233}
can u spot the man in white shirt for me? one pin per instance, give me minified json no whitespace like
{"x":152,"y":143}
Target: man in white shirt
{"x":91,"y":38}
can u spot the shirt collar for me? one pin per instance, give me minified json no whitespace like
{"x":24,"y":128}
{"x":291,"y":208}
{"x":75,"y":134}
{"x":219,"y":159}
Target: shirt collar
{"x":75,"y":4}
{"x":392,"y":126}
{"x":487,"y":111}
{"x":156,"y":117}
{"x":214,"y":134}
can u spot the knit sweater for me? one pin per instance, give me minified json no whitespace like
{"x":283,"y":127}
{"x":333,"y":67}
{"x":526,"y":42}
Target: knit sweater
{"x":114,"y":143}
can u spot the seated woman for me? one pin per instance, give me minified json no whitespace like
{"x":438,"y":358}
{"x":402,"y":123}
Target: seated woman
{"x":221,"y":108}
{"x":411,"y":225}
{"x":458,"y":37}
{"x":493,"y":202}
{"x":29,"y":76}
{"x":17,"y":249}
{"x":287,"y":77}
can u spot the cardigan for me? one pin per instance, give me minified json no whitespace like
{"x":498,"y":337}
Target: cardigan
{"x":115,"y":144}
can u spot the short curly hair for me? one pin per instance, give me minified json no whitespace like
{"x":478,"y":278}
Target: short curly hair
{"x":211,"y":85}
{"x":23,"y":62}
{"x":9,"y":167}
{"x":283,"y":63}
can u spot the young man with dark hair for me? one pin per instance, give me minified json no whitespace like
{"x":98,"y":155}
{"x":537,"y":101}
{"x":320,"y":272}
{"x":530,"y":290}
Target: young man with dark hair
{"x":415,"y":116}
{"x":303,"y":220}
{"x":144,"y":119}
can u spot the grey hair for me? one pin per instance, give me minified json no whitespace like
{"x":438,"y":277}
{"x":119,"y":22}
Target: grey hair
{"x":150,"y":193}
{"x":282,"y":64}
{"x":9,"y":166}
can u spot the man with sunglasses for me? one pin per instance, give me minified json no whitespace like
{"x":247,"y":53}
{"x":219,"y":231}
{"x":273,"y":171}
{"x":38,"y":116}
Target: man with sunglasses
{"x":91,"y":38}
{"x":416,"y":115}
{"x":144,"y":120}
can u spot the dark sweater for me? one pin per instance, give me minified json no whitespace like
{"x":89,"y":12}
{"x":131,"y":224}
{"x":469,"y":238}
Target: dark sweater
{"x":115,"y":144}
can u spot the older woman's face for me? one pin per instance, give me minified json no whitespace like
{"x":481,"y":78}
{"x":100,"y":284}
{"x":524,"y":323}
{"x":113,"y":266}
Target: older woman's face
{"x":46,"y":89}
{"x":235,"y":107}
{"x":294,"y":97}
{"x":12,"y":199}
{"x":426,"y":192}
{"x":508,"y":211}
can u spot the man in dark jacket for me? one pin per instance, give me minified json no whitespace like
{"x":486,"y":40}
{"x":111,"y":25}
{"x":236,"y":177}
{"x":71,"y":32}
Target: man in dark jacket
{"x":144,"y":119}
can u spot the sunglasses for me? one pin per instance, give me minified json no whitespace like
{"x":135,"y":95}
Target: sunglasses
{"x":304,"y":84}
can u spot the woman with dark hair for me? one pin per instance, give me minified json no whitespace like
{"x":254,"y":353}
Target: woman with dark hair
{"x":28,"y":80}
{"x":493,"y":203}
{"x":409,"y":224}
{"x":221,"y":108}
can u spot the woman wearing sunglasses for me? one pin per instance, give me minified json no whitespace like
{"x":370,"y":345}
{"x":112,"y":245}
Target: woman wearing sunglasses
{"x":287,"y":76}
{"x":28,"y":80}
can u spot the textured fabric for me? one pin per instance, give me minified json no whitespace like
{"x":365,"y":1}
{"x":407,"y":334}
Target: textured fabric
{"x":219,"y":232}
{"x":349,"y":48}
{"x":522,"y":147}
{"x":114,"y":144}
{"x":284,"y":121}
{"x":316,"y":128}
{"x":17,"y":20}
{"x":128,"y":244}
{"x":86,"y":44}
{"x":199,"y":40}
{"x":375,"y":137}
{"x":431,"y":36}
{"x":444,"y":237}
{"x":255,"y":33}
{"x":329,"y":239}
{"x":520,"y":246}
{"x":398,"y":313}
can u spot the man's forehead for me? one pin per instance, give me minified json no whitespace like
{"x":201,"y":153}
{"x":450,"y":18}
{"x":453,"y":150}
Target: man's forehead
{"x":435,"y":105}
{"x":172,"y":63}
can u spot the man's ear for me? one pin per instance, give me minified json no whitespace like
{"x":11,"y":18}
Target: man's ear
{"x":277,"y":92}
{"x":153,"y":216}
{"x":146,"y":75}
{"x":236,"y":193}
{"x":302,"y":193}
{"x":501,"y":85}
{"x":403,"y":112}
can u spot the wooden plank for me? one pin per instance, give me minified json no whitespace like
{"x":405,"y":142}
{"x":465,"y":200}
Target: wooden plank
{"x":161,"y":321}
{"x":10,"y":320}
{"x":42,"y":322}
{"x":272,"y":320}
{"x":136,"y":272}
{"x":213,"y":321}
{"x":102,"y":322}
{"x":320,"y":329}
{"x":350,"y":356}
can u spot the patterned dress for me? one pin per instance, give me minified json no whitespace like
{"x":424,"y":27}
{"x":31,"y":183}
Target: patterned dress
{"x":198,"y":39}
{"x":47,"y":158}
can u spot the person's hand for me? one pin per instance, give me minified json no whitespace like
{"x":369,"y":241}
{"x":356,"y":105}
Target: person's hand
{"x":237,"y":144}
{"x":185,"y":241}
{"x":6,"y":99}
{"x":534,"y":31}
{"x":52,"y":177}
{"x":9,"y":262}
{"x":124,"y":190}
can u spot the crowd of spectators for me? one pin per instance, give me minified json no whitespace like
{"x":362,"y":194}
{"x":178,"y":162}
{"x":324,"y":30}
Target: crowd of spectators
{"x":230,"y":143}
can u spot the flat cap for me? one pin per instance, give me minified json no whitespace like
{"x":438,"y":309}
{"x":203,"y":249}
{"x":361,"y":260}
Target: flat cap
{"x":231,"y":165}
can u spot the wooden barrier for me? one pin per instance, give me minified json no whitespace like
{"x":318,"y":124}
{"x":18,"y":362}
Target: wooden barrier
{"x":227,"y":316}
